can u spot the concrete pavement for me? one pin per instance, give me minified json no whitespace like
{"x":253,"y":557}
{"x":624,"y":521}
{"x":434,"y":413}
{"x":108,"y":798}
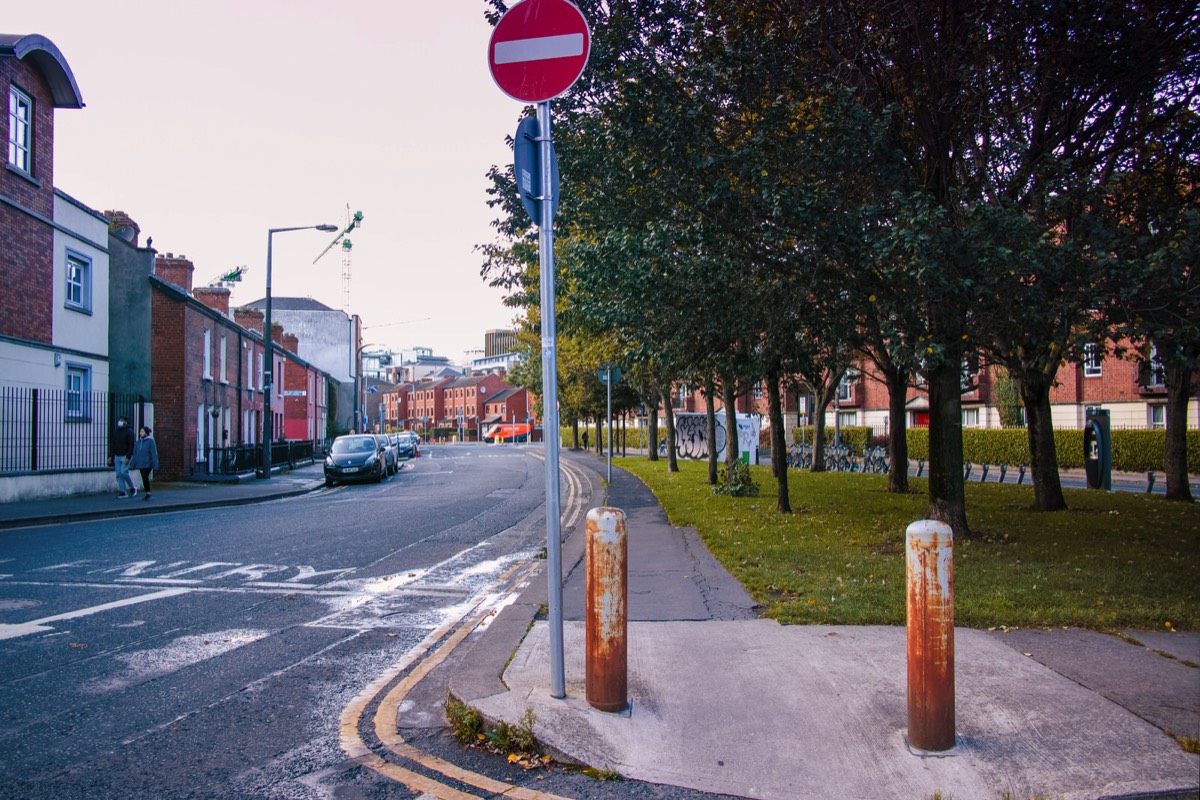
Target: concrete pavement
{"x":724,"y":702}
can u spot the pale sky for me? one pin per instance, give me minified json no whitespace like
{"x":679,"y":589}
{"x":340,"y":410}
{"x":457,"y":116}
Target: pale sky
{"x":211,"y":122}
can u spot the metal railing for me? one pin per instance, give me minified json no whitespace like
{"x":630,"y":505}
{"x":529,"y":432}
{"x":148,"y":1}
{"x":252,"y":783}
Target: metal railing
{"x":246,"y":458}
{"x":56,"y":430}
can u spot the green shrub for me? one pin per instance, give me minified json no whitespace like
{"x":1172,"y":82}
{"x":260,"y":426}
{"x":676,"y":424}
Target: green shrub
{"x":737,"y":482}
{"x":1132,"y":450}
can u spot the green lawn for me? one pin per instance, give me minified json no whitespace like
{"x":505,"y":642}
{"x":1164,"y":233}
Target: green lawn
{"x":1111,"y":561}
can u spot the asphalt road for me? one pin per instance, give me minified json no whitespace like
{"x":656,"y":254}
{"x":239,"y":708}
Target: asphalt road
{"x":209,"y":653}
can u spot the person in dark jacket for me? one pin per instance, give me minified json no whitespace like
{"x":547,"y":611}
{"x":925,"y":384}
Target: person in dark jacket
{"x":122,"y":449}
{"x":145,"y":458}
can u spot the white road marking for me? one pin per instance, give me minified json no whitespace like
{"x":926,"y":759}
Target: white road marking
{"x":540,"y":49}
{"x":39,"y":625}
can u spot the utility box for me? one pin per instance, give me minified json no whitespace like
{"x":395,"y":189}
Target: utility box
{"x":1097,"y":450}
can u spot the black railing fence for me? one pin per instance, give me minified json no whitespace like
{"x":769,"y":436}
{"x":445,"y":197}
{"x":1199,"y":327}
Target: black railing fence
{"x":55,"y":430}
{"x":244,"y":458}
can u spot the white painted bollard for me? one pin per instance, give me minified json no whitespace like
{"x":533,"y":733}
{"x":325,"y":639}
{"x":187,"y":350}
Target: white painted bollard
{"x":930,"y":575}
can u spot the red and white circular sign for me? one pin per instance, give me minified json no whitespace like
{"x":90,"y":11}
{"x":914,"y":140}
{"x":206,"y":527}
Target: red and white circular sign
{"x":538,"y":49}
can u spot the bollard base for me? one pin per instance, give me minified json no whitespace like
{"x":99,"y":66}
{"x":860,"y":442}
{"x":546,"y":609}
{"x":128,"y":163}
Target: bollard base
{"x":957,"y":749}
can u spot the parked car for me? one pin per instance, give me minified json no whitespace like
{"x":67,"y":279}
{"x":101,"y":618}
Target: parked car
{"x":406,"y":444}
{"x":390,"y":453}
{"x":355,"y":458}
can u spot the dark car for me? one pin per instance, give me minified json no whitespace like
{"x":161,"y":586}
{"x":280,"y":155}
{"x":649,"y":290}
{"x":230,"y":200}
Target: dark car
{"x":391,"y":457}
{"x":355,"y":458}
{"x":406,"y":444}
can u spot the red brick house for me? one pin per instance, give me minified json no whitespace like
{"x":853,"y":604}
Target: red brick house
{"x":207,"y":376}
{"x":463,"y":402}
{"x":426,"y":404}
{"x":396,"y":406}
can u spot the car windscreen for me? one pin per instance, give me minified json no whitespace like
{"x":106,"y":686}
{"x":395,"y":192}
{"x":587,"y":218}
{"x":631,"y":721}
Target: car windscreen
{"x":359,"y":444}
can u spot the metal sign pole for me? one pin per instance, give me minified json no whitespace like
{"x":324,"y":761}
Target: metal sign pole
{"x":550,"y":404}
{"x":608,"y":383}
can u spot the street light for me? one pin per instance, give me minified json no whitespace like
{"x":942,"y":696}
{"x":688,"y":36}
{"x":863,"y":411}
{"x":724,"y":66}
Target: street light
{"x":269,"y":355}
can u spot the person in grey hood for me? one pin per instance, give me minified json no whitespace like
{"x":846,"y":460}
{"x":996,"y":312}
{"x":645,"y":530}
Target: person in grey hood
{"x":145,"y":458}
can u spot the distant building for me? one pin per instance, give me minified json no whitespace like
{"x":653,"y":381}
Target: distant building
{"x":329,"y":340}
{"x":498,"y":342}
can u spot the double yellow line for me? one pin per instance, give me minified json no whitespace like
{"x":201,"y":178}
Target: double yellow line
{"x":432,"y":651}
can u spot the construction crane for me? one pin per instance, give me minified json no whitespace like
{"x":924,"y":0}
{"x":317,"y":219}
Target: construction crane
{"x":352,"y":221}
{"x":227,"y":279}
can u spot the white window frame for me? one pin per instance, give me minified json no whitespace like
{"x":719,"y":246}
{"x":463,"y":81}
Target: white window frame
{"x":971,"y":418}
{"x":20,"y":130}
{"x":260,"y":371}
{"x":1093,"y":360}
{"x":1157,"y":377}
{"x":224,"y":360}
{"x":847,"y":419}
{"x":78,"y":387}
{"x":846,"y":386}
{"x":758,"y":392}
{"x":207,"y":354}
{"x":1155,"y":410}
{"x":78,"y":282}
{"x":200,"y":432}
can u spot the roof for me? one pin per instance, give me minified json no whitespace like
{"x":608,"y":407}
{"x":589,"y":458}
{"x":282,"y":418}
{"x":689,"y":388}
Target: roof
{"x":48,"y":60}
{"x":502,"y":395}
{"x":289,"y":304}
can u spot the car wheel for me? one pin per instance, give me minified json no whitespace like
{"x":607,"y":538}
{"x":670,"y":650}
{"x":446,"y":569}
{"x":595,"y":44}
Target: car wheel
{"x":329,"y":482}
{"x":379,"y":473}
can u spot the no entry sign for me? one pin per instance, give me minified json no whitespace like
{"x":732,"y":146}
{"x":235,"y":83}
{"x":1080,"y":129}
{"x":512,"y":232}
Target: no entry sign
{"x":538,"y":49}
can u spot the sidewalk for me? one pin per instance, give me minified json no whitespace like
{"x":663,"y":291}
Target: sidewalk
{"x":173,"y":496}
{"x":724,"y":702}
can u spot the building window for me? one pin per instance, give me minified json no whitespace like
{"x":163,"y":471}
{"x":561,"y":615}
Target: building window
{"x":1158,"y":373}
{"x":224,"y":374}
{"x":78,"y":386}
{"x":970,"y":417}
{"x":847,"y":419}
{"x":20,"y":130}
{"x":846,"y":386}
{"x":79,"y":283}
{"x":1092,"y":359}
{"x":207,"y":354}
{"x":200,"y":454}
{"x":758,"y":391}
{"x":1157,"y":416}
{"x":260,"y":372}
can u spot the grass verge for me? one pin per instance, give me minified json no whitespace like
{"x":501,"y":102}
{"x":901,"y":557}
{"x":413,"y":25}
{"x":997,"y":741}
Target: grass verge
{"x":1112,"y":560}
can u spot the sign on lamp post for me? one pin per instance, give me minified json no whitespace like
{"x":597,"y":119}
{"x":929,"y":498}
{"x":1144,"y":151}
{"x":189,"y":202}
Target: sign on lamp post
{"x":537,"y":51}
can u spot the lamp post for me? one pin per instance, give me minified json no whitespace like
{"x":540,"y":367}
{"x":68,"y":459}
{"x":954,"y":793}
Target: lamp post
{"x":269,"y":354}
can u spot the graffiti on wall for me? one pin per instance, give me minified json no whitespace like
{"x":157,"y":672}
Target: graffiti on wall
{"x":691,"y":431}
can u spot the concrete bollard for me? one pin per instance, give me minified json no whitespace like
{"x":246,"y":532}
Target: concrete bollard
{"x":930,"y":573}
{"x":605,"y":615}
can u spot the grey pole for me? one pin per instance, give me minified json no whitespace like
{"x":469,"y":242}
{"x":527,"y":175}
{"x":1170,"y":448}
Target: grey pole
{"x":608,"y":383}
{"x":550,"y":405}
{"x":268,"y":371}
{"x":269,"y":351}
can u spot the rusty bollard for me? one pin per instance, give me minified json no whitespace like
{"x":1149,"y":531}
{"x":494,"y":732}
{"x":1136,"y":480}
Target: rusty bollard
{"x":930,"y":570}
{"x":605,"y":610}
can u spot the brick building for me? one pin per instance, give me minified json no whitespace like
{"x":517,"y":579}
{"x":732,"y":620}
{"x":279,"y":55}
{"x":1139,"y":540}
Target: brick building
{"x":463,"y":402}
{"x":426,"y":404}
{"x":207,"y":375}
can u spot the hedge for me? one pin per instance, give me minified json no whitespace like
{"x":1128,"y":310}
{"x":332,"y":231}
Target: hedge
{"x":858,"y":437}
{"x":1132,"y":450}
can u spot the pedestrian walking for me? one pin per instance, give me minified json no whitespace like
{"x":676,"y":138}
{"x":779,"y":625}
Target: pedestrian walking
{"x":145,"y":458}
{"x":122,"y":449}
{"x":585,"y":440}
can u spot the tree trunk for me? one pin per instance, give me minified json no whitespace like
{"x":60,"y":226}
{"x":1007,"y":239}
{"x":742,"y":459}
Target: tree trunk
{"x":778,"y":442}
{"x":821,"y":401}
{"x":710,"y":413}
{"x":947,"y":491}
{"x":575,"y":434}
{"x":669,"y":415}
{"x":897,"y":386}
{"x":1043,"y":456}
{"x":652,"y":435}
{"x":729,"y":398}
{"x":1179,"y":382}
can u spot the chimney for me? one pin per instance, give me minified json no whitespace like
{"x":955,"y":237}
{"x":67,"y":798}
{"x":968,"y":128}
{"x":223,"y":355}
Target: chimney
{"x":175,"y":269}
{"x":249,"y":318}
{"x":123,"y":227}
{"x":215,"y":297}
{"x":276,"y":331}
{"x":291,"y":342}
